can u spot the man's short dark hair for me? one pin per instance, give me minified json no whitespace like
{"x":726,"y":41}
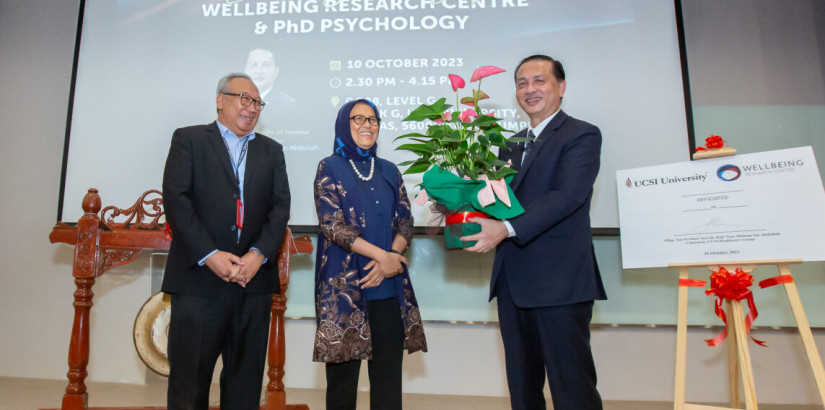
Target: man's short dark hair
{"x":558,"y":69}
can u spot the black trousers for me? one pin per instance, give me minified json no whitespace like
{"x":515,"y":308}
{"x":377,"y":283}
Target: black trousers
{"x":233,"y":325}
{"x":555,"y":339}
{"x":387,"y":332}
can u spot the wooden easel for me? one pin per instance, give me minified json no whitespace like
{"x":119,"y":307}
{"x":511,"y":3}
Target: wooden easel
{"x":101,"y":244}
{"x":738,"y":350}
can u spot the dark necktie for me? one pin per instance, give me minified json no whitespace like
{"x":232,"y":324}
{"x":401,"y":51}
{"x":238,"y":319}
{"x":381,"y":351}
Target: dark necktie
{"x":528,"y":144}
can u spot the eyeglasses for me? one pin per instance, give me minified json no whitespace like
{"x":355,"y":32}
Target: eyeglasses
{"x":360,"y":119}
{"x":246,"y":100}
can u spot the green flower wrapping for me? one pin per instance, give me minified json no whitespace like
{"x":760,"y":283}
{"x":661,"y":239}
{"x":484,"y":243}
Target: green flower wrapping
{"x":459,"y":194}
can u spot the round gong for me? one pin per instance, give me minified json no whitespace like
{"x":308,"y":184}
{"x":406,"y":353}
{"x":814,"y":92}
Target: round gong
{"x":151,"y":332}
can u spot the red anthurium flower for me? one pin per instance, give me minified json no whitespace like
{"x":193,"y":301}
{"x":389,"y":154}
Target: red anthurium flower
{"x":456,"y":81}
{"x":467,"y":115}
{"x":446,"y":116}
{"x":485,"y":71}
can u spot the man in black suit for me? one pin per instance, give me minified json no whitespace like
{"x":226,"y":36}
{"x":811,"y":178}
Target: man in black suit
{"x":545,"y":274}
{"x":226,"y":197}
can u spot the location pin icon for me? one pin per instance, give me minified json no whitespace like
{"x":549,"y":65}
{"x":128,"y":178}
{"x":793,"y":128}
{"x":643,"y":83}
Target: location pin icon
{"x":334,"y":101}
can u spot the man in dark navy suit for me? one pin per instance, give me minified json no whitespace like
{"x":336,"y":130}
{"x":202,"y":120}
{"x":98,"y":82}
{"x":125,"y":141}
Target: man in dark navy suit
{"x":226,"y":197}
{"x":545,"y":275}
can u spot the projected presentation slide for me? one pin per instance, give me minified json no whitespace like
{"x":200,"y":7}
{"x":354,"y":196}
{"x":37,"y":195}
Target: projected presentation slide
{"x":146,"y":68}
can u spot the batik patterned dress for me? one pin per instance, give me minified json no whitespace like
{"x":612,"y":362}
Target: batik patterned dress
{"x":343,"y":331}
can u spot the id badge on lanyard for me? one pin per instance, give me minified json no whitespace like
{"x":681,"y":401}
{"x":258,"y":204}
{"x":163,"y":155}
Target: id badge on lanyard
{"x":239,"y":214}
{"x":236,"y":168}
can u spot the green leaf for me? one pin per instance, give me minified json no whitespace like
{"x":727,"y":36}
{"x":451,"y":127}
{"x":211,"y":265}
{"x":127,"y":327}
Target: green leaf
{"x":424,"y":111}
{"x":415,"y":148}
{"x":487,"y":121}
{"x":411,"y":135}
{"x":439,"y":131}
{"x":500,"y":173}
{"x":417,"y":168}
{"x":497,"y":139}
{"x":454,"y":137}
{"x":516,"y":140}
{"x":485,"y":142}
{"x":479,"y":157}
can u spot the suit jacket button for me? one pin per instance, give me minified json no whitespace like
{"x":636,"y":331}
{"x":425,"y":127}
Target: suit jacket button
{"x":235,"y":196}
{"x":233,"y":228}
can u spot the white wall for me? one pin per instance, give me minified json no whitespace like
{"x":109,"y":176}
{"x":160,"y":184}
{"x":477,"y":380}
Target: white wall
{"x":36,"y":286}
{"x":36,"y":47}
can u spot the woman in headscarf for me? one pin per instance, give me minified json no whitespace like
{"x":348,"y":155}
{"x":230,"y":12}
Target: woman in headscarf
{"x":364,"y":302}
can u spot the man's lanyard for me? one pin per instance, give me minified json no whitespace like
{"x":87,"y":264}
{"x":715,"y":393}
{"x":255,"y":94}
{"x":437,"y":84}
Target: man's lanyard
{"x":236,"y":168}
{"x":241,"y":156}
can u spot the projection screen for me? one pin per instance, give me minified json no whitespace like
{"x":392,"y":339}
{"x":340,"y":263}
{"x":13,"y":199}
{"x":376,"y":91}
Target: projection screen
{"x":147,"y":67}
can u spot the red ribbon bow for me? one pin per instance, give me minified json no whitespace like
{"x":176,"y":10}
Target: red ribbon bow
{"x":167,"y":230}
{"x":712,"y":142}
{"x":734,"y":286}
{"x":464,"y":217}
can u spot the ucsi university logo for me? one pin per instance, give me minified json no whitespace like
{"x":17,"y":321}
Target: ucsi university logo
{"x":676,"y":179}
{"x":641,"y":182}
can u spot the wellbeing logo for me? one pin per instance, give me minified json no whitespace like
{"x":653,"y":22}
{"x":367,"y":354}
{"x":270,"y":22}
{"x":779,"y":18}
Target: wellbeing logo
{"x":728,"y":172}
{"x":731,"y":172}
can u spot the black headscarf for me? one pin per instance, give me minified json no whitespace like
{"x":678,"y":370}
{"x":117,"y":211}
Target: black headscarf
{"x":344,"y":145}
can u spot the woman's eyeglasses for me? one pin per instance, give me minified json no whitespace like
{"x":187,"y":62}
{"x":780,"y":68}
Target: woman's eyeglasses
{"x":360,"y":119}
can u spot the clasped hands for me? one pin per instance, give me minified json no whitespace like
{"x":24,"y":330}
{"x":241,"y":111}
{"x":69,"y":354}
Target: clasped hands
{"x":386,"y":266}
{"x":235,"y":269}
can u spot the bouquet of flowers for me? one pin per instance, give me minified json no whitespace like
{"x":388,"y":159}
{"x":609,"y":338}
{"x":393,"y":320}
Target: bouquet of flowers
{"x":462,"y":176}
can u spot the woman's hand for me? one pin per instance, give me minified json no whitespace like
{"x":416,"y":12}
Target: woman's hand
{"x":386,"y":266}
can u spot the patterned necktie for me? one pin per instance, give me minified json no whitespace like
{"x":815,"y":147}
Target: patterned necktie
{"x":528,"y":144}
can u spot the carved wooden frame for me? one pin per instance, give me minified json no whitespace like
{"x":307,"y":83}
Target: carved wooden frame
{"x":101,"y":243}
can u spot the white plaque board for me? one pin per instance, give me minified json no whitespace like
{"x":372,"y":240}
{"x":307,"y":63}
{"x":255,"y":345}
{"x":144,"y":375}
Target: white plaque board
{"x":768,"y":205}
